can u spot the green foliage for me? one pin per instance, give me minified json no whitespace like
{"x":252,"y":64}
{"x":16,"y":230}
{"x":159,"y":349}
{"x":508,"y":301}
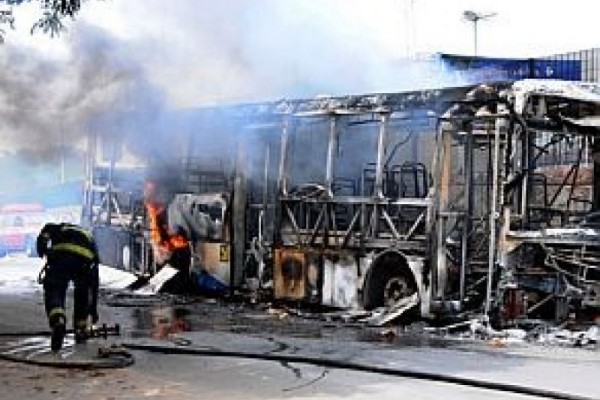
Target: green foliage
{"x":53,"y":13}
{"x":6,"y":18}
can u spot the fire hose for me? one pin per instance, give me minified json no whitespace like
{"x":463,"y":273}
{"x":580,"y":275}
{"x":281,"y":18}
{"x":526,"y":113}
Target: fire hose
{"x":102,"y":331}
{"x":359,"y":367}
{"x":107,"y":357}
{"x":119,"y":357}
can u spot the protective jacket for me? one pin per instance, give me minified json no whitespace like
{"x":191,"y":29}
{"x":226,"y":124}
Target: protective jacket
{"x":58,"y":240}
{"x":68,"y":246}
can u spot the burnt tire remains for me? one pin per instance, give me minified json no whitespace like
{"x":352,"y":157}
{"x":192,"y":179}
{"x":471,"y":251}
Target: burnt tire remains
{"x":388,"y":280}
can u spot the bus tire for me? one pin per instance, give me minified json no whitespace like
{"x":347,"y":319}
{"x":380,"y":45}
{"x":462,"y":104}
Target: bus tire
{"x":386,"y":284}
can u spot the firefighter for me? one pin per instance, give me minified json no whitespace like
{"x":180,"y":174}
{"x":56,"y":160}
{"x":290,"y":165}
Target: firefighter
{"x":71,"y":255}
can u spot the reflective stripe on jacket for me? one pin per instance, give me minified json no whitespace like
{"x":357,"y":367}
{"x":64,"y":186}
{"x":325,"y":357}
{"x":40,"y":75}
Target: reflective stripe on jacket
{"x":74,"y":248}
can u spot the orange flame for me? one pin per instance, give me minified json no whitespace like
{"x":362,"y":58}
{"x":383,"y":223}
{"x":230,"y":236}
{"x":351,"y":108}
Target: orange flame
{"x":159,"y":232}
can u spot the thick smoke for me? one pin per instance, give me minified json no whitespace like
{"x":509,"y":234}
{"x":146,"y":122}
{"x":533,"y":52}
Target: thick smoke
{"x":126,"y":84}
{"x":49,"y":105}
{"x":206,"y":52}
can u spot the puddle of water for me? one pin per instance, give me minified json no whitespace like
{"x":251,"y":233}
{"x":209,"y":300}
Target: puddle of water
{"x":167,"y":321}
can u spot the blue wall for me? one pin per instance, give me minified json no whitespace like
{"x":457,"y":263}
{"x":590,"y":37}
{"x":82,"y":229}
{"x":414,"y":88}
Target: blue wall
{"x":484,"y":69}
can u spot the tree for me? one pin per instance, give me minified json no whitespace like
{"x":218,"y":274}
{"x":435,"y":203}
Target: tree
{"x":53,"y":13}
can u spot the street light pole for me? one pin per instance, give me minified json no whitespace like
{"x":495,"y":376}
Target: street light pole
{"x":475,"y":37}
{"x":475,"y":17}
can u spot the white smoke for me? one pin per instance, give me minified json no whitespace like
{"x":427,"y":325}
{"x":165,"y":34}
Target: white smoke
{"x":127,"y":62}
{"x":204,"y":52}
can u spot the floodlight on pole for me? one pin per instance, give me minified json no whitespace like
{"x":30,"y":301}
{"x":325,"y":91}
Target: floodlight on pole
{"x":475,"y":17}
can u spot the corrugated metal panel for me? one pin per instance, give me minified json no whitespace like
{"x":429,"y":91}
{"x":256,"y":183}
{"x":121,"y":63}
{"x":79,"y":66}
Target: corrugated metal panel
{"x":570,"y":70}
{"x":589,"y":59}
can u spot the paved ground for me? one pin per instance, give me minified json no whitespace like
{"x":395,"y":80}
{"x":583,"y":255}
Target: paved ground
{"x":209,"y":325}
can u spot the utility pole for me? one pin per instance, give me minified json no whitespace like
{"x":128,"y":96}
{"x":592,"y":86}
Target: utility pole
{"x":475,"y":17}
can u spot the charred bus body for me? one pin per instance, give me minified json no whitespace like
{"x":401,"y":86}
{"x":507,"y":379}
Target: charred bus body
{"x":337,"y":202}
{"x":145,"y":200}
{"x":514,"y":223}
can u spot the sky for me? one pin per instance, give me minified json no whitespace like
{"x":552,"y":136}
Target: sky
{"x":202,"y":51}
{"x":139,"y":58}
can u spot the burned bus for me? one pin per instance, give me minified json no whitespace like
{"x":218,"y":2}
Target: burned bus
{"x":151,"y":195}
{"x":441,"y":201}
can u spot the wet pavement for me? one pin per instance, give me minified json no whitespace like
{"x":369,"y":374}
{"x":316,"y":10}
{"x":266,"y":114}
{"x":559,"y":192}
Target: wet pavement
{"x":215,"y":326}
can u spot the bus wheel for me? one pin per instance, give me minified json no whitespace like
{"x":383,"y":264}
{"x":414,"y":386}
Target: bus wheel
{"x":386,"y":286}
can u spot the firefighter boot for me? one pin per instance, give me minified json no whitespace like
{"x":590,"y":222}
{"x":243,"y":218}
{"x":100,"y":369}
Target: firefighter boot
{"x":58,"y":333}
{"x":80,"y":336}
{"x":81,"y":332}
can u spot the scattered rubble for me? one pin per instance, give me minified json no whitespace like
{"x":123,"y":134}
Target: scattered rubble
{"x":382,"y":316}
{"x":537,"y":332}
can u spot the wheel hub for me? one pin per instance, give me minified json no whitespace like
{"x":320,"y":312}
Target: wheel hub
{"x":396,"y":289}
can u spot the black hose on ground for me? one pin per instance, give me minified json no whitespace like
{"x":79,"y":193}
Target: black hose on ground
{"x":103,"y":330}
{"x":108,"y":358}
{"x":32,"y":333}
{"x":127,"y":359}
{"x":405,"y":373}
{"x":130,"y":300}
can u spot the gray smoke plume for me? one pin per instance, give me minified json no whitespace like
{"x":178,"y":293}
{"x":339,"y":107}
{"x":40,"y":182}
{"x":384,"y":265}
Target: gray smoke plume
{"x":49,"y":105}
{"x":208,"y":52}
{"x":190,"y":54}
